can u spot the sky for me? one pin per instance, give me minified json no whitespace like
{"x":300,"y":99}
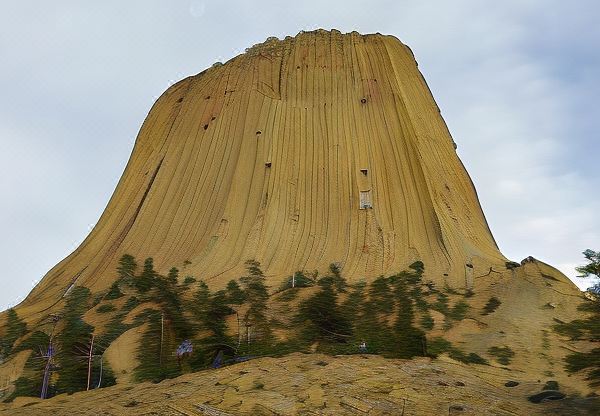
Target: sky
{"x":516,"y":80}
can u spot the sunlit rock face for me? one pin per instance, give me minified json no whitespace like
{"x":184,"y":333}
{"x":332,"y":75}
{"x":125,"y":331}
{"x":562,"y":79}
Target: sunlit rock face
{"x":322,"y":148}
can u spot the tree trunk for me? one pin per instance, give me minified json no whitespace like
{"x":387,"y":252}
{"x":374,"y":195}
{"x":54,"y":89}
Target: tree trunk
{"x":90,"y":362}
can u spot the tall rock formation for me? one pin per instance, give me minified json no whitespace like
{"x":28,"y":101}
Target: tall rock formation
{"x":322,"y":148}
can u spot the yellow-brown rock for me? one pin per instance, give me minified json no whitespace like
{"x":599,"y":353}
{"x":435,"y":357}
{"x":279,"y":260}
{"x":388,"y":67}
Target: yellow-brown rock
{"x":269,"y":156}
{"x":415,"y":387}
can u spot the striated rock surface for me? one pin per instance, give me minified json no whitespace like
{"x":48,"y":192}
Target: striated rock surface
{"x":271,"y":155}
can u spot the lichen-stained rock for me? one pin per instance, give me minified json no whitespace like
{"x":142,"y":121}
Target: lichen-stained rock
{"x":272,"y":155}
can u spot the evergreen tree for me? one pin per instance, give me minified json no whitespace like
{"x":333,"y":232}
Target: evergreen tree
{"x":73,"y":342}
{"x":588,"y":328}
{"x":235,"y":294}
{"x":255,"y":291}
{"x":352,"y":308}
{"x":409,"y":341}
{"x":592,"y":268}
{"x":326,"y":320}
{"x":216,"y":313}
{"x":169,"y":297}
{"x":15,"y":328}
{"x":147,"y":278}
{"x":373,"y":327}
{"x":156,"y":351}
{"x":114,"y":292}
{"x":30,"y":382}
{"x":173,"y":275}
{"x":126,"y":268}
{"x":336,"y":277}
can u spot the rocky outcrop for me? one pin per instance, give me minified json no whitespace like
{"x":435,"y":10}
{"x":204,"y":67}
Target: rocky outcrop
{"x":325,"y":147}
{"x":323,"y":385}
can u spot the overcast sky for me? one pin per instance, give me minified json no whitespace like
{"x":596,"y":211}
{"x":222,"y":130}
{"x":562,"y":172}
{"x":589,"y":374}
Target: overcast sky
{"x":517,"y":82}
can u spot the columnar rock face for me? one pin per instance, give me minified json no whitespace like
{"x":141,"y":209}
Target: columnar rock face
{"x":322,"y":148}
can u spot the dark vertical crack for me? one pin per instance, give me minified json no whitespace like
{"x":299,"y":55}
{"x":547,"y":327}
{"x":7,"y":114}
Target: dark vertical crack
{"x":137,"y":210}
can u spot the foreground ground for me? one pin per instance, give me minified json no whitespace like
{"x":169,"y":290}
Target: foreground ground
{"x":321,"y":385}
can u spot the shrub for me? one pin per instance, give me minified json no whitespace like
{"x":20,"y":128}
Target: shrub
{"x":15,"y":329}
{"x":491,"y":305}
{"x":427,"y":321}
{"x":440,"y":345}
{"x":585,"y":361}
{"x":503,"y":354}
{"x":74,"y":342}
{"x":126,"y":268}
{"x":189,"y":280}
{"x":470,"y":358}
{"x":108,"y":307}
{"x":418,"y":267}
{"x":298,"y":279}
{"x":459,"y":311}
{"x":114,"y":292}
{"x":441,"y":305}
{"x":288,"y":295}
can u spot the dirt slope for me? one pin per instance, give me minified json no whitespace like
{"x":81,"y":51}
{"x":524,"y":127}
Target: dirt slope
{"x":319,"y":385}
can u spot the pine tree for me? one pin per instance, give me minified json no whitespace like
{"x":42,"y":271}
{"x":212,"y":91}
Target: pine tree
{"x":235,"y":294}
{"x":255,"y":292}
{"x":588,"y":328}
{"x":15,"y":328}
{"x":173,"y":275}
{"x":147,"y":278}
{"x":592,"y":268}
{"x":409,"y":341}
{"x":336,"y":277}
{"x":73,"y":342}
{"x":169,"y":297}
{"x":126,"y":268}
{"x":373,"y":327}
{"x":325,"y":317}
{"x":156,"y":351}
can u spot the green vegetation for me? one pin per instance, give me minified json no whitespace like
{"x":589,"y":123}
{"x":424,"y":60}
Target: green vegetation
{"x":440,"y":345}
{"x":155,"y":351}
{"x":321,"y":315}
{"x":256,"y":294}
{"x":491,"y":305}
{"x":503,"y":354}
{"x":427,"y":321}
{"x":15,"y":329}
{"x":145,"y":281}
{"x":459,"y":311}
{"x":441,"y":305}
{"x":114,"y":292}
{"x":189,"y":280}
{"x":298,"y":279}
{"x":190,"y":331}
{"x":106,"y":308}
{"x":74,"y":341}
{"x":30,"y":383}
{"x":588,"y":328}
{"x":592,"y":268}
{"x":126,"y":268}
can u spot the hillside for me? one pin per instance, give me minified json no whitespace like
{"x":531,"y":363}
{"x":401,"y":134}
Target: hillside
{"x":302,"y":201}
{"x":321,"y":385}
